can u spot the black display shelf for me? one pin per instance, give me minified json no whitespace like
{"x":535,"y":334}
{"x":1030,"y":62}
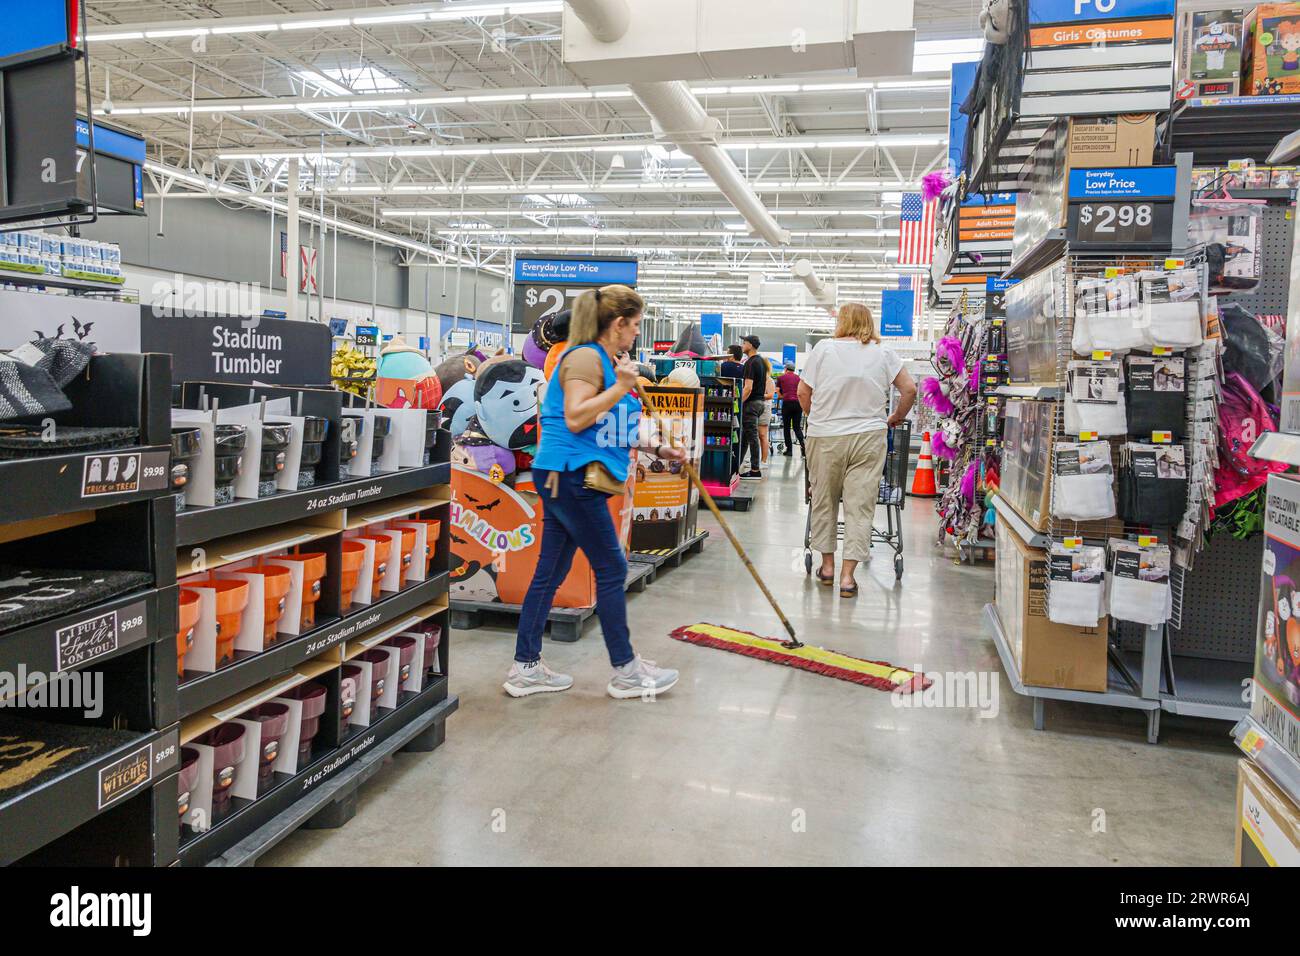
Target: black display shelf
{"x":210,"y":689}
{"x":35,"y":817}
{"x":62,"y":484}
{"x":196,"y":525}
{"x":90,"y":636}
{"x":1044,"y":252}
{"x":208,"y":846}
{"x":1218,"y":129}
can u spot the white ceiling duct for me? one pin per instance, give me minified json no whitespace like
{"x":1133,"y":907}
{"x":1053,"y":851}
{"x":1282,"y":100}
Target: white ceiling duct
{"x":680,"y":118}
{"x":803,"y":271}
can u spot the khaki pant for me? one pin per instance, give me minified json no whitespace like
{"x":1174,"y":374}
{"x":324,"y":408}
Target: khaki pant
{"x":846,"y":468}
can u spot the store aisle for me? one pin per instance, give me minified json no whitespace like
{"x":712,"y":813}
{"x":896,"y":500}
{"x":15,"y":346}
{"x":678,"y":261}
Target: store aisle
{"x":748,"y":762}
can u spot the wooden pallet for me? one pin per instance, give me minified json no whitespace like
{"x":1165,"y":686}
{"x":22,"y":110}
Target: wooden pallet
{"x":670,"y":557}
{"x":563,"y":623}
{"x":740,"y":499}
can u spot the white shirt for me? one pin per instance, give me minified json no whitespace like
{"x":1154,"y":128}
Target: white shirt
{"x":850,"y":383}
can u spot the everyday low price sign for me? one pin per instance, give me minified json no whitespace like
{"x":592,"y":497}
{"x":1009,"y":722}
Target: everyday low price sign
{"x":1122,"y":207}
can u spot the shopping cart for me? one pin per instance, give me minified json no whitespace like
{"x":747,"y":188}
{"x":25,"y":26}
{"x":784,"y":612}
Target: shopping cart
{"x":893,"y":495}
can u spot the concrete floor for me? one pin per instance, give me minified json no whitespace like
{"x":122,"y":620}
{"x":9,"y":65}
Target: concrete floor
{"x":746,"y":762}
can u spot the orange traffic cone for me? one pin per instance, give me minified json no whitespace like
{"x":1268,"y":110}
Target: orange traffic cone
{"x":923,"y":480}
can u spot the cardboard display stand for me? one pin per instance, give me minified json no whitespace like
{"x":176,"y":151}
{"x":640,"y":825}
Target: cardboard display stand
{"x":665,"y":503}
{"x":1276,"y":699}
{"x":1268,"y":823}
{"x":1047,"y":654}
{"x":496,"y":537}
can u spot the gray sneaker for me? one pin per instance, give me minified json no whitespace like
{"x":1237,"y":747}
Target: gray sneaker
{"x":640,"y":678}
{"x":525,"y":679}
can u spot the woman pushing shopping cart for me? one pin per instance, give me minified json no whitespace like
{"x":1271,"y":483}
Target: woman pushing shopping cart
{"x":857,"y":449}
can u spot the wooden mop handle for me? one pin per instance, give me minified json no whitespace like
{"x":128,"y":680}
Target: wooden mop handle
{"x":735,"y":542}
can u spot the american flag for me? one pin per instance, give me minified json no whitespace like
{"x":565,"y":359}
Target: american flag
{"x":916,"y":230}
{"x":905,"y":282}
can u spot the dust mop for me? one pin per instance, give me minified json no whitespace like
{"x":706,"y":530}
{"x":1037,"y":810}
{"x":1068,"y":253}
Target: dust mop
{"x":792,"y":653}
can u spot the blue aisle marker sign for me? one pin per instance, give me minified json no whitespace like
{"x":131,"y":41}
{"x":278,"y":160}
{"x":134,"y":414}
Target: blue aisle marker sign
{"x":896,"y":312}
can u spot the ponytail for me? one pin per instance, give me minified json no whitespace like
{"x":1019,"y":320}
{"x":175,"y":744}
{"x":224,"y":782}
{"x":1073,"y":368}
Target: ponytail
{"x":596,"y":310}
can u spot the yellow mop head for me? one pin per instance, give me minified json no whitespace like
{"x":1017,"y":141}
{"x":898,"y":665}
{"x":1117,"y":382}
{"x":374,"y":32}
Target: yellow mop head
{"x":878,"y":674}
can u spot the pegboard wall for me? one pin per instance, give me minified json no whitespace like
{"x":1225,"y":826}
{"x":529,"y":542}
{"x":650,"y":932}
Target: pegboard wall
{"x":1220,"y":603}
{"x":1270,"y":297}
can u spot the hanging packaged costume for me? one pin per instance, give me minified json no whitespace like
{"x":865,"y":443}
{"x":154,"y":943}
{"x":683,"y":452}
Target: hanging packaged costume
{"x":1076,"y":585}
{"x":1152,"y":484}
{"x":1137,"y":582}
{"x":1155,"y":389}
{"x":1107,"y":315}
{"x":1082,"y":481}
{"x":1094,"y":401}
{"x":1171,"y":308}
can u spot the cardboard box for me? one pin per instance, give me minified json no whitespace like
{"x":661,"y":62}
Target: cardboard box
{"x":1079,"y":142}
{"x":496,"y":539}
{"x":1272,"y":59}
{"x":1276,"y":698}
{"x":1048,"y":654}
{"x":1210,"y":46}
{"x":1268,"y":823}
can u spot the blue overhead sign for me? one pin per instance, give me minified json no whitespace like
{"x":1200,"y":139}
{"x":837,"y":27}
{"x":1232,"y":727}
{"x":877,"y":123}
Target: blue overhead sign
{"x":112,"y":142}
{"x":989,"y":199}
{"x":896,"y":312}
{"x":710,"y":324}
{"x":1126,"y":182}
{"x":1083,"y":11}
{"x":997,"y":284}
{"x":963,"y":80}
{"x":33,"y":25}
{"x":585,"y":271}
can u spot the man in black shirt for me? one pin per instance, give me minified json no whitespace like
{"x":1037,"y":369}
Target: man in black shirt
{"x":753,"y":388}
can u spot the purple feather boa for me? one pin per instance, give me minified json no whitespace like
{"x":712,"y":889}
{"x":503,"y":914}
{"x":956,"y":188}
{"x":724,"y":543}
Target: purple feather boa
{"x":934,"y":398}
{"x":940,"y":447}
{"x":933,"y":184}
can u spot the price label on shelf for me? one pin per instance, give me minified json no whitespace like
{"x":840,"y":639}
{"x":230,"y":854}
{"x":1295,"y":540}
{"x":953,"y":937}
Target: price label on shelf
{"x":1161,"y":438}
{"x":1087,"y":436}
{"x":1100,"y":355}
{"x":1252,"y":742}
{"x":1174,"y":263}
{"x":1121,"y":207}
{"x":1072,"y":543}
{"x":1147,"y":541}
{"x":1113,"y":271}
{"x":1162,"y":350}
{"x":1120,"y":223}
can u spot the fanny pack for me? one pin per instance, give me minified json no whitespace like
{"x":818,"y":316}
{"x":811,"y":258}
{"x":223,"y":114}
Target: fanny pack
{"x":597,"y":478}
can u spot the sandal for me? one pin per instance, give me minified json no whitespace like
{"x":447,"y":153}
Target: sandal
{"x":849,"y":592}
{"x":828,"y":580}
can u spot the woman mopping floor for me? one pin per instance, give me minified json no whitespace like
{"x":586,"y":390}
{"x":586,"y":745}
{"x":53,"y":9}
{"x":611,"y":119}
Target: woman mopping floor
{"x":581,"y":461}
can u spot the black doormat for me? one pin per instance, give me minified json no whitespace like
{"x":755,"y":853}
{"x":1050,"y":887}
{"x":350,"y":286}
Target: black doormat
{"x":31,"y":441}
{"x":33,"y":752}
{"x":28,"y":595}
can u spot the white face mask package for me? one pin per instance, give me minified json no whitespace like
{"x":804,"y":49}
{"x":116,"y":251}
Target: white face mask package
{"x":1137,"y":586}
{"x":1083,"y":481}
{"x":1076,"y":592}
{"x":1107,"y":315}
{"x":1094,"y":401}
{"x":1171,"y":308}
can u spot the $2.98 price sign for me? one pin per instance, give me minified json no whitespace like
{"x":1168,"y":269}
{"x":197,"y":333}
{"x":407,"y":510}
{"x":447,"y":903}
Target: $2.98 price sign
{"x":1120,"y":222}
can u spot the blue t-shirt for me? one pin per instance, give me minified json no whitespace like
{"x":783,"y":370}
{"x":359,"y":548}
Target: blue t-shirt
{"x":609,"y":441}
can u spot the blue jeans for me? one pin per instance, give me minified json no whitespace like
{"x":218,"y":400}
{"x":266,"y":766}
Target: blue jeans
{"x":575,"y":517}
